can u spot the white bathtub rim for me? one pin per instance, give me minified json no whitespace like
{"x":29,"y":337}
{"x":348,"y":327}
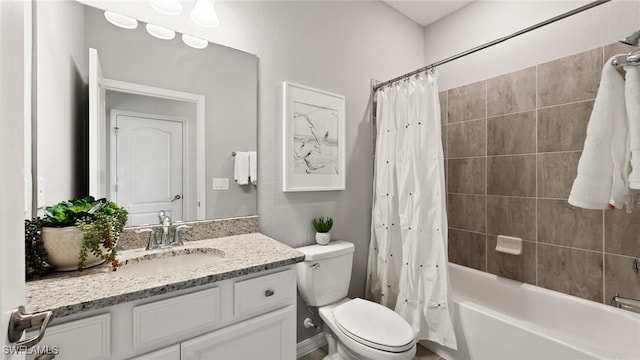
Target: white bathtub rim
{"x":577,"y":345}
{"x":616,"y":327}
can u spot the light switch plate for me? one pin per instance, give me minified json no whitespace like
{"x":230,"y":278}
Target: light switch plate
{"x":220,"y":184}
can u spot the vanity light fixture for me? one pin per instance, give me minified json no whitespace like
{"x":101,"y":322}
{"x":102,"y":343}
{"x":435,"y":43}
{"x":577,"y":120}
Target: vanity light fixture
{"x":168,"y":7}
{"x":160,"y":32}
{"x":122,"y":21}
{"x":204,"y":14}
{"x":194,"y":42}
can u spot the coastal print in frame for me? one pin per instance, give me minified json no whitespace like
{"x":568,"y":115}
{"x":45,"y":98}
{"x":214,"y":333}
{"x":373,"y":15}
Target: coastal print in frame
{"x":313,"y":139}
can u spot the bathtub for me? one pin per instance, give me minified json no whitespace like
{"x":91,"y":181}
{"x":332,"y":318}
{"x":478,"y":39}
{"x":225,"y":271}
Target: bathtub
{"x":497,"y":318}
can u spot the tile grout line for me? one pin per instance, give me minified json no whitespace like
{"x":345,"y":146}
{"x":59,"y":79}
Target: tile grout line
{"x":603,"y":235}
{"x":559,"y":105}
{"x":536,"y":109}
{"x":541,"y":243}
{"x":513,"y":155}
{"x":486,"y":177}
{"x":536,"y":201}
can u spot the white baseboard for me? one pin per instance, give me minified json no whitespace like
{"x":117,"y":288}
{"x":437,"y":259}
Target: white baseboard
{"x":306,"y":346}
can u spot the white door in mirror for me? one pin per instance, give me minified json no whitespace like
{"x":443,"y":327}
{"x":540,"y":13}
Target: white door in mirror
{"x":147,"y":155}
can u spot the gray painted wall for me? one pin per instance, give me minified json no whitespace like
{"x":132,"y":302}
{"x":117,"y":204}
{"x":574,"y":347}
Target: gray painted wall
{"x":62,"y":67}
{"x":338,"y":46}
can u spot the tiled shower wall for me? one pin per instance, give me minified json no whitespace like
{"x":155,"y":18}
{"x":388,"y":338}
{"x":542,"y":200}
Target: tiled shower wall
{"x":512,"y":145}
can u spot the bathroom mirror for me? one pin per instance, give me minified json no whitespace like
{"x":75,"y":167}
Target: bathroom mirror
{"x":172,"y":116}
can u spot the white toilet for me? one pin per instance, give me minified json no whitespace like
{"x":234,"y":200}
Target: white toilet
{"x":355,"y":328}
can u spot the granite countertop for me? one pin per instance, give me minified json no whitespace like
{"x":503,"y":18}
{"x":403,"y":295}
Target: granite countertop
{"x":67,"y":293}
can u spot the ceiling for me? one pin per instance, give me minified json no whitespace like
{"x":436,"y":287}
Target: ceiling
{"x":424,"y":12}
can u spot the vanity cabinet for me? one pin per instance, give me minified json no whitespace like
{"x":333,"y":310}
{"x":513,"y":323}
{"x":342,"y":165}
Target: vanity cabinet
{"x":168,"y":353}
{"x":248,"y":317}
{"x":265,"y":337}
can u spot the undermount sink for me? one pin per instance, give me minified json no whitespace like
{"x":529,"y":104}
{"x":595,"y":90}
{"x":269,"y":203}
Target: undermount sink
{"x":168,"y":262}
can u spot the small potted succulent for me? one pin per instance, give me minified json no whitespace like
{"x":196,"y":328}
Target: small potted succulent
{"x":322,"y":226}
{"x":83,"y":232}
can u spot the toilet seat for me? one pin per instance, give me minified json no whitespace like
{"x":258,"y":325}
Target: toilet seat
{"x":374,"y":325}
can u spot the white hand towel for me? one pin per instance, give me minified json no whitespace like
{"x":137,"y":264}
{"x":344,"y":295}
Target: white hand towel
{"x":602,"y":171}
{"x":241,"y":170}
{"x":632,"y":99}
{"x":253,"y":167}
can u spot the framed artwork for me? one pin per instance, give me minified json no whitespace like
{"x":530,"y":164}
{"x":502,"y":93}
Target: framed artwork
{"x":313,"y":147}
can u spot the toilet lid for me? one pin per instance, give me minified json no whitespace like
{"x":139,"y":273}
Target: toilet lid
{"x":374,"y":325}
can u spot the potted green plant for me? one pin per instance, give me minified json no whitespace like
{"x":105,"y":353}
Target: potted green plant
{"x":322,"y":226}
{"x":83,"y":232}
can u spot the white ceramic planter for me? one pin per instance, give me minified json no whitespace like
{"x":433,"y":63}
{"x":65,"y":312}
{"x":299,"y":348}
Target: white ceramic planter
{"x":323,"y":238}
{"x":63,"y":248}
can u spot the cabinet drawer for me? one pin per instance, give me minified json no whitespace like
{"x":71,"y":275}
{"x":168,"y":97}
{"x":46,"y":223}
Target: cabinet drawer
{"x":264,"y":293}
{"x":87,"y":339}
{"x":168,"y":319}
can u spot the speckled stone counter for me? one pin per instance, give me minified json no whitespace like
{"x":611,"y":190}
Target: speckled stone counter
{"x":67,"y":293}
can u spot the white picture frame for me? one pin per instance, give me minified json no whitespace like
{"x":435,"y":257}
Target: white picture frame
{"x":313,"y":139}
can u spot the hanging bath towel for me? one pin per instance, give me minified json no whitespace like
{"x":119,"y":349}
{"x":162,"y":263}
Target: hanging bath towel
{"x":407,"y":267}
{"x":601,"y":181}
{"x":632,"y":100}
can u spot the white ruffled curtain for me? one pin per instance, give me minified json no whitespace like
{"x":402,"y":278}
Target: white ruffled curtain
{"x":407,"y":267}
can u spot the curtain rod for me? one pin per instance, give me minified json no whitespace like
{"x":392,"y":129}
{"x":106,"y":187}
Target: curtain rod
{"x":494,"y":42}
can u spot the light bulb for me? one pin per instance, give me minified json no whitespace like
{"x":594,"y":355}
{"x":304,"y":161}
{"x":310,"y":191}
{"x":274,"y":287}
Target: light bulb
{"x":122,"y":21}
{"x":160,"y":32}
{"x":168,"y":7}
{"x":204,"y":14}
{"x":194,"y":42}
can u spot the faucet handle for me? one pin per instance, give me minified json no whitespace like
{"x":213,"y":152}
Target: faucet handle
{"x":177,"y":237}
{"x":153,"y":241}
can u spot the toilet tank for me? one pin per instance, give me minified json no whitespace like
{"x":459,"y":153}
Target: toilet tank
{"x":325,"y":273}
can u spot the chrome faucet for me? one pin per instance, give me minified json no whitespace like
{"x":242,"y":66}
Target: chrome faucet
{"x":166,"y":229}
{"x":626,"y":303}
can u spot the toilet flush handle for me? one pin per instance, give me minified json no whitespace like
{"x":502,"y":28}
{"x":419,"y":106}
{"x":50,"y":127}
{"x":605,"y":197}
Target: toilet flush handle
{"x":315,"y":266}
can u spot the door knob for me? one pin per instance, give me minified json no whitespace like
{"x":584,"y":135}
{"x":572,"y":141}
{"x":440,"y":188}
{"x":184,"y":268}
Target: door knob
{"x":177,"y":197}
{"x":19,"y":322}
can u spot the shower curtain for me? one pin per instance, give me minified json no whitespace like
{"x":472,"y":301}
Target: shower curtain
{"x":407,"y":267}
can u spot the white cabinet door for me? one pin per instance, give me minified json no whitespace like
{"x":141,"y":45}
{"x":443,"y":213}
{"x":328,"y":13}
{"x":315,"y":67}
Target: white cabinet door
{"x":86,"y":339}
{"x":270,"y":336}
{"x":168,"y":353}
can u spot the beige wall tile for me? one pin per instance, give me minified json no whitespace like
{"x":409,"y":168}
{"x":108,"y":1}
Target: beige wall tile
{"x":511,"y":216}
{"x":569,"y":79}
{"x":512,"y":134}
{"x":443,"y":133}
{"x":467,"y":138}
{"x":466,"y":212}
{"x":564,"y":127}
{"x":511,"y":175}
{"x":620,"y":278}
{"x":556,"y":172}
{"x":512,"y":92}
{"x":562,"y":224}
{"x":571,"y":271}
{"x":442,"y":95}
{"x":467,"y":176}
{"x":517,"y":267}
{"x":467,"y":249}
{"x":622,"y":232}
{"x":467,"y":102}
